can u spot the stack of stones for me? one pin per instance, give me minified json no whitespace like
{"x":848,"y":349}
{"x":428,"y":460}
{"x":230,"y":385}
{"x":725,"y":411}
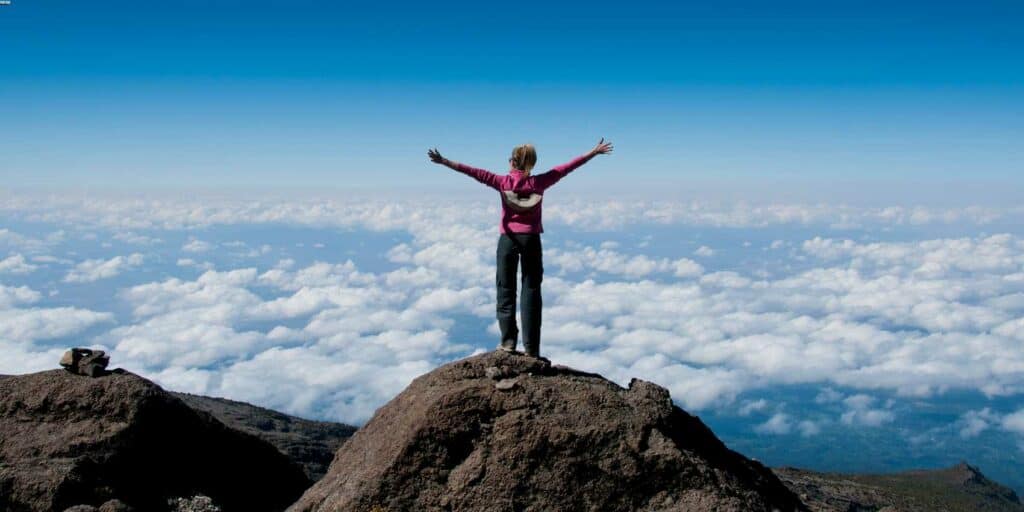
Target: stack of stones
{"x":84,"y":361}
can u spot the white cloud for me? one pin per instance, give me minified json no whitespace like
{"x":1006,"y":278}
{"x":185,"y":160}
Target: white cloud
{"x":383,"y":212}
{"x":353,"y":323}
{"x":1001,"y":253}
{"x":16,"y":264}
{"x":317,"y":274}
{"x":751,"y":406}
{"x":16,"y":241}
{"x":22,"y":323}
{"x":18,"y":360}
{"x":89,"y":271}
{"x":446,"y":299}
{"x":883,"y":326}
{"x":828,"y":395}
{"x":195,"y":246}
{"x":704,"y":252}
{"x":779,"y":424}
{"x":46,"y":258}
{"x":28,"y":325}
{"x":11,"y":296}
{"x":727,"y":279}
{"x":973,"y":423}
{"x":913,"y":318}
{"x":808,"y":428}
{"x":859,"y":412}
{"x":130,"y":237}
{"x":687,"y":268}
{"x":611,"y":262}
{"x":1014,"y":422}
{"x":400,"y":253}
{"x":189,"y":262}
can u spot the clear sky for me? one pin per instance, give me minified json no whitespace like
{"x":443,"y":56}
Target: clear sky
{"x":332,"y":94}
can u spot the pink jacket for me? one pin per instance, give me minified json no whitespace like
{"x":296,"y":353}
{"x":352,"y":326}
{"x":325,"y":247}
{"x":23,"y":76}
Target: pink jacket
{"x":521,"y":194}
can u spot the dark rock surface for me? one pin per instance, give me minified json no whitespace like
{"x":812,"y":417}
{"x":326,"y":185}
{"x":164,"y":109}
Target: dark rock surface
{"x":502,"y":432}
{"x":68,"y":440}
{"x":309,"y":443}
{"x":958,"y":488}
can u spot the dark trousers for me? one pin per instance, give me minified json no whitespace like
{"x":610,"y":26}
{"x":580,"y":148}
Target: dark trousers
{"x":513,"y":248}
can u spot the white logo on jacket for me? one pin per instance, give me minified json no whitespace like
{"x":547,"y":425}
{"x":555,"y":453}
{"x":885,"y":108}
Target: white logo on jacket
{"x":520,"y":202}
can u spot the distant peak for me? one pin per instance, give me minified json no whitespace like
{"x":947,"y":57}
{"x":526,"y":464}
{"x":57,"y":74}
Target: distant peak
{"x":967,"y":473}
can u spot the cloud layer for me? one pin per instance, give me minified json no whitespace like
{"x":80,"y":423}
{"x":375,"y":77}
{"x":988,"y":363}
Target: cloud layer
{"x":913,"y":317}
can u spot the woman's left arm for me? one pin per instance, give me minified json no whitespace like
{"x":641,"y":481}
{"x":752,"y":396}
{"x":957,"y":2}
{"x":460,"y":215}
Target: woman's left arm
{"x":547,"y":179}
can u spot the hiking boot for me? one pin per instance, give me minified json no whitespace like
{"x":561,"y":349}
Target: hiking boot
{"x":507,"y":346}
{"x":534,"y":354}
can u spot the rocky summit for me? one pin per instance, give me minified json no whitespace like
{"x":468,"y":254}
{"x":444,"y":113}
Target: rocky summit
{"x":505,"y":432}
{"x":68,"y":440}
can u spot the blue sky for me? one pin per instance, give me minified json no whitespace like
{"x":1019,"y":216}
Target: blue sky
{"x":318,"y":94}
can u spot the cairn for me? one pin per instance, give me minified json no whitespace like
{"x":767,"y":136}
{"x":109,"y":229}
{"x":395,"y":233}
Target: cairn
{"x":84,"y":361}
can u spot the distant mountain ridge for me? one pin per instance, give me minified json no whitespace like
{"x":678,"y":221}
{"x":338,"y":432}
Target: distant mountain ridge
{"x":959,"y":488}
{"x":310,"y":443}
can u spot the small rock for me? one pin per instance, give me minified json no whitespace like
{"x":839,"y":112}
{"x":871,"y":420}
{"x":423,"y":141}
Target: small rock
{"x":197,"y":503}
{"x":506,"y":384}
{"x":115,"y":506}
{"x":81,"y":508}
{"x":492,"y":372}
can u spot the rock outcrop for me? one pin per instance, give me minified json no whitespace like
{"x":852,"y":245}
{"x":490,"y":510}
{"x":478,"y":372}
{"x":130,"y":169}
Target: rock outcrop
{"x":503,"y":432}
{"x":68,"y":439}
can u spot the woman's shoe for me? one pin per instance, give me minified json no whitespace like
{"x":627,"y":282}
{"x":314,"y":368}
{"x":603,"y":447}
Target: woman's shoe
{"x":532,"y":351}
{"x":536,"y":355}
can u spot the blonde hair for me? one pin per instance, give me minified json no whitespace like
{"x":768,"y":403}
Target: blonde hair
{"x":524,"y":157}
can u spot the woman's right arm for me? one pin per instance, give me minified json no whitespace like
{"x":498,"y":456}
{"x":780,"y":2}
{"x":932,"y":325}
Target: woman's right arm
{"x":551,"y":177}
{"x":483,"y":176}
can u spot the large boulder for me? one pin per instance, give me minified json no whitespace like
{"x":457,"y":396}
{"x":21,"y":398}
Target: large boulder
{"x":504,"y":432}
{"x":68,"y":439}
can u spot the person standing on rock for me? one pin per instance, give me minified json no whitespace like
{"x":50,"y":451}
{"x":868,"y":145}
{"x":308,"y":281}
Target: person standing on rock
{"x":521,"y":195}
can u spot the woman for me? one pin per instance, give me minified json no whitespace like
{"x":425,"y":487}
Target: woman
{"x":521,"y":196}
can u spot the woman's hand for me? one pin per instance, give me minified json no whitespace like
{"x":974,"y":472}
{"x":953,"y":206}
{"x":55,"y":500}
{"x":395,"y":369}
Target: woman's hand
{"x":602,"y":148}
{"x":435,"y":156}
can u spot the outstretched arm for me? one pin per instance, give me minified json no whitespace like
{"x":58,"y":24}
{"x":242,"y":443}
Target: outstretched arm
{"x":551,"y":177}
{"x":486,"y":177}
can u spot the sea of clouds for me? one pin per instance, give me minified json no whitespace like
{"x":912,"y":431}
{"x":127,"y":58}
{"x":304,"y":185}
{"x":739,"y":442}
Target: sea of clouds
{"x":327,"y":307}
